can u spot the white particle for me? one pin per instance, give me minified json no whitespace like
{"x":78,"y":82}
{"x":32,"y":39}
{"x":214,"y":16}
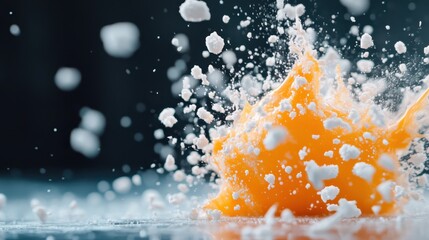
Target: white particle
{"x":120,"y":39}
{"x":170,"y":163}
{"x":273,"y":39}
{"x":67,"y":79}
{"x":194,"y":11}
{"x":364,"y":170}
{"x":214,"y":43}
{"x":400,"y":47}
{"x":365,"y":65}
{"x":317,"y":174}
{"x":167,"y":117}
{"x":125,"y":122}
{"x":366,"y":41}
{"x":270,"y":179}
{"x":270,"y":61}
{"x":329,"y":193}
{"x":15,"y":30}
{"x":205,"y":115}
{"x":335,"y":122}
{"x":348,"y":152}
{"x":386,"y":162}
{"x":122,"y":185}
{"x":225,"y":19}
{"x":275,"y":137}
{"x":84,"y":142}
{"x":386,"y":190}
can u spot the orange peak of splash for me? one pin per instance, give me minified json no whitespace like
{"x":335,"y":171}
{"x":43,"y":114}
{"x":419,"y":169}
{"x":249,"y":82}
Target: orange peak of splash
{"x":247,"y":168}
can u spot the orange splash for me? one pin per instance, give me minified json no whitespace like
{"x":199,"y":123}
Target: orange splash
{"x":242,"y":170}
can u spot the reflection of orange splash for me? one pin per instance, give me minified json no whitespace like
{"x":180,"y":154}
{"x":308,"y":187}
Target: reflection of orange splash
{"x":289,"y":191}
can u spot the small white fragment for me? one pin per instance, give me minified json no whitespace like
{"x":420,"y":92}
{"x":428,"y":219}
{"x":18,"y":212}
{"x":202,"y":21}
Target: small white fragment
{"x":205,"y":115}
{"x":364,"y":170}
{"x":386,"y":162}
{"x":288,"y":169}
{"x":136,"y":179}
{"x":270,"y":61}
{"x":122,"y":185}
{"x":329,"y":154}
{"x":214,"y":43}
{"x":402,"y":67}
{"x":67,"y":79}
{"x":273,"y":39}
{"x":365,"y":65}
{"x":426,"y":50}
{"x":275,"y":137}
{"x":329,"y":193}
{"x":302,"y":153}
{"x":158,"y":134}
{"x":348,"y":152}
{"x":356,"y":7}
{"x":120,"y":39}
{"x":92,"y":120}
{"x":400,"y":47}
{"x":376,"y":209}
{"x":225,"y":19}
{"x":270,"y":179}
{"x":167,"y":117}
{"x":15,"y":30}
{"x":317,"y":174}
{"x":170,"y":163}
{"x":335,"y":122}
{"x":194,"y":11}
{"x":366,"y":41}
{"x":84,"y":142}
{"x":386,"y":190}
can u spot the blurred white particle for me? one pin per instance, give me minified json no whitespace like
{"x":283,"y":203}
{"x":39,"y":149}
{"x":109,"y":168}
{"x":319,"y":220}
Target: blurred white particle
{"x":400,"y":47}
{"x":120,"y":39}
{"x":136,"y":179}
{"x":229,"y":58}
{"x":158,"y":134}
{"x":67,"y":79}
{"x":3,"y":201}
{"x":92,"y":120}
{"x":85,"y":142}
{"x":138,"y":137}
{"x":194,"y":11}
{"x":15,"y":30}
{"x":122,"y":185}
{"x":126,"y":121}
{"x":356,"y":7}
{"x":181,"y":42}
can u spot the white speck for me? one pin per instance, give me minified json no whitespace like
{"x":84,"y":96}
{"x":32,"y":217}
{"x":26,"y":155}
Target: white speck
{"x":368,"y":135}
{"x":366,"y":41}
{"x":364,"y":170}
{"x":215,"y":214}
{"x":92,"y":120}
{"x":386,"y":162}
{"x":329,"y":154}
{"x":120,"y":39}
{"x":67,"y":79}
{"x":386,"y":190}
{"x":334,"y":122}
{"x":275,"y":137}
{"x":273,"y":39}
{"x":122,"y":185}
{"x":317,"y":174}
{"x":126,"y":122}
{"x":315,"y":137}
{"x":84,"y":142}
{"x":348,"y":152}
{"x":271,"y":61}
{"x":214,"y":43}
{"x":329,"y":193}
{"x":365,"y":65}
{"x":368,"y":29}
{"x":356,"y":7}
{"x":158,"y":134}
{"x":167,"y":117}
{"x":170,"y":163}
{"x":299,"y":82}
{"x":15,"y":30}
{"x":194,"y":11}
{"x":400,"y":47}
{"x":205,"y":115}
{"x":225,"y":19}
{"x":179,"y":175}
{"x":205,"y":54}
{"x":270,"y":178}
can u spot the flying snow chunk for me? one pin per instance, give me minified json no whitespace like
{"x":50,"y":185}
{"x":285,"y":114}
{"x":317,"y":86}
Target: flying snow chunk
{"x":181,"y":42}
{"x":348,"y":152}
{"x":122,"y":185}
{"x":215,"y":43}
{"x":364,"y":170}
{"x":15,"y":30}
{"x":85,"y":142}
{"x":400,"y":47}
{"x":329,"y":193}
{"x":167,"y":117}
{"x":67,"y":79}
{"x":317,"y":174}
{"x":120,"y":39}
{"x":275,"y":137}
{"x":365,"y":65}
{"x":92,"y":120}
{"x":194,"y":11}
{"x":356,"y":7}
{"x":366,"y":41}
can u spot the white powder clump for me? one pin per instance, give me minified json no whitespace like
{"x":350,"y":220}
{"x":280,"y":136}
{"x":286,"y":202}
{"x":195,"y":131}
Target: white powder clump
{"x":386,"y":190}
{"x":194,"y":11}
{"x":205,"y":115}
{"x":285,"y":105}
{"x":329,"y":193}
{"x":244,"y":23}
{"x":366,"y":41}
{"x":273,"y":39}
{"x":275,"y":137}
{"x":181,"y":42}
{"x":15,"y":30}
{"x":270,"y":61}
{"x":365,"y":65}
{"x":85,"y":142}
{"x":122,"y":184}
{"x":348,"y":152}
{"x":67,"y":79}
{"x":270,"y":179}
{"x":344,"y":209}
{"x":170,"y":163}
{"x":167,"y":117}
{"x":356,"y":7}
{"x":400,"y":47}
{"x":386,"y":162}
{"x":225,"y":19}
{"x":92,"y":120}
{"x":364,"y":170}
{"x":317,"y":174}
{"x":329,"y":154}
{"x":229,"y":58}
{"x":335,"y":122}
{"x":214,"y":43}
{"x":120,"y":39}
{"x":302,"y":153}
{"x":299,"y":82}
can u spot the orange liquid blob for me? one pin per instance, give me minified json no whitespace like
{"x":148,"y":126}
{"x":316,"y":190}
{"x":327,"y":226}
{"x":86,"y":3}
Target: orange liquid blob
{"x":243,"y":172}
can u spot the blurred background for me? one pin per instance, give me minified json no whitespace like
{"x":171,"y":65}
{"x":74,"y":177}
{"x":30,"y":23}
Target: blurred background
{"x":37,"y":117}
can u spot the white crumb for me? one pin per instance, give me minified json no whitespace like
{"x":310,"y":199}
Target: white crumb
{"x":194,"y":11}
{"x":348,"y":152}
{"x":364,"y":170}
{"x":329,"y":193}
{"x":120,"y":39}
{"x":275,"y":136}
{"x":317,"y":174}
{"x":214,"y":43}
